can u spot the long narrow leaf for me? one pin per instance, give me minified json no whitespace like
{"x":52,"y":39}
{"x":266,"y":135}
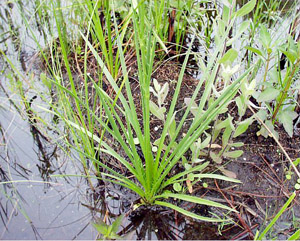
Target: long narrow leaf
{"x":189,"y":214}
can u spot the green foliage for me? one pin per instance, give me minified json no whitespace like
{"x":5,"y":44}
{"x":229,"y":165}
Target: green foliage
{"x":247,"y":8}
{"x":108,"y":123}
{"x":275,"y":90}
{"x":152,"y":170}
{"x":109,"y":231}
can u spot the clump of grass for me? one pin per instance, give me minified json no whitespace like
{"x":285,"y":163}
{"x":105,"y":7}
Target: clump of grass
{"x":118,"y":114}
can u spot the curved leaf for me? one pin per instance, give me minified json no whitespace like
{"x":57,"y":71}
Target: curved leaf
{"x":194,"y":199}
{"x":189,"y":214}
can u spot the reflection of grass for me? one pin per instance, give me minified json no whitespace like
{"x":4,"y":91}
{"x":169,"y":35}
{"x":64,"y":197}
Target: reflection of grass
{"x":16,"y":202}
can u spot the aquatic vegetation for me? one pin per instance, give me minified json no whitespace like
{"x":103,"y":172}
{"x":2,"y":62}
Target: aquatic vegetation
{"x":118,"y":115}
{"x":145,"y":133}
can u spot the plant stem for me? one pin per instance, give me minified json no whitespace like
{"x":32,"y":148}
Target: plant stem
{"x":284,"y":93}
{"x":266,"y":71}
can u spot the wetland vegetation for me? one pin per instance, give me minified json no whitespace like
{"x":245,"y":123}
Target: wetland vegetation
{"x":150,"y":119}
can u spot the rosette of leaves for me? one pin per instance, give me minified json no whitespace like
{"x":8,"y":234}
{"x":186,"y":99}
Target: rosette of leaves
{"x":152,"y":173}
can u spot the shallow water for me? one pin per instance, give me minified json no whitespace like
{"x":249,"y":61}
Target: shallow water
{"x":34,"y":205}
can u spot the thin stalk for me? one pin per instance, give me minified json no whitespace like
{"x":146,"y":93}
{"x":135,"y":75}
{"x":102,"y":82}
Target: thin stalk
{"x":266,"y":70}
{"x":285,"y":91}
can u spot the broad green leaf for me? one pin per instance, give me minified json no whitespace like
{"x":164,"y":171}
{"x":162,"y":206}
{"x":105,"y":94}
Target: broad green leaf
{"x":262,"y":114}
{"x":117,"y":5}
{"x":286,"y":117}
{"x":248,"y":89}
{"x":225,"y":123}
{"x":244,"y":25}
{"x":205,"y":143}
{"x":241,"y":105}
{"x":187,"y":166}
{"x":156,"y":85}
{"x":264,"y":132}
{"x":243,"y":126}
{"x":117,"y":223}
{"x":184,"y":160}
{"x":229,"y":57}
{"x":226,"y":135}
{"x":191,"y":177}
{"x":291,"y":55}
{"x":101,"y":227}
{"x":236,"y":144}
{"x":255,"y":50}
{"x":297,"y":161}
{"x":163,"y":93}
{"x":155,"y":110}
{"x":177,"y":4}
{"x":274,"y":76}
{"x":233,"y":154}
{"x":216,"y":158}
{"x":247,"y":8}
{"x":268,"y":94}
{"x":242,"y":28}
{"x":291,"y":51}
{"x":265,"y":37}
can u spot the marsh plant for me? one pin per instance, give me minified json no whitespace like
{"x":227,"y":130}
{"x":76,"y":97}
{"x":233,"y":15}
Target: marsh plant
{"x":110,"y":128}
{"x":106,"y":129}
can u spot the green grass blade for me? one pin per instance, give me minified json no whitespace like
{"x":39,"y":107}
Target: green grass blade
{"x":281,"y":211}
{"x":216,"y":176}
{"x":173,"y":179}
{"x":295,"y":236}
{"x":189,"y":214}
{"x":194,"y":199}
